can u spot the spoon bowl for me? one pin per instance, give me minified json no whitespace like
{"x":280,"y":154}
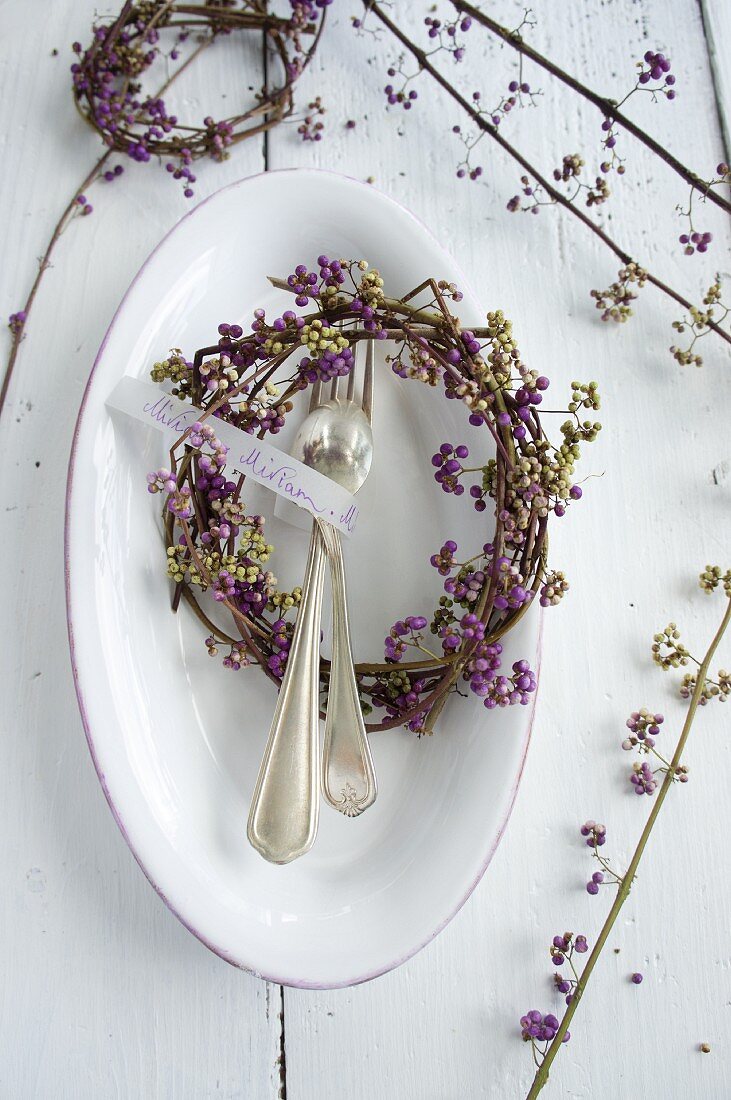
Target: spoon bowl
{"x":336,"y":439}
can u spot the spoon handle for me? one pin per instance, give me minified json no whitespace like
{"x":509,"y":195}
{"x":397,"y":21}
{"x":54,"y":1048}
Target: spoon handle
{"x":348,"y":777}
{"x":285,"y":806}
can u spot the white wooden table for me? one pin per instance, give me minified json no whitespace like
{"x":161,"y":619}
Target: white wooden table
{"x":103,"y":993}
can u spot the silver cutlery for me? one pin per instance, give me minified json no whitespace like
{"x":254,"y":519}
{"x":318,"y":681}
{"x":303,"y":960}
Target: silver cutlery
{"x":348,"y":776}
{"x":336,"y":439}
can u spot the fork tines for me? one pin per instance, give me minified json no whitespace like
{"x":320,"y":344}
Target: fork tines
{"x":367,"y":398}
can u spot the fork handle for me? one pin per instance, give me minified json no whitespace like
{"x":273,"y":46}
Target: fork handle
{"x":285,"y":806}
{"x":348,"y":776}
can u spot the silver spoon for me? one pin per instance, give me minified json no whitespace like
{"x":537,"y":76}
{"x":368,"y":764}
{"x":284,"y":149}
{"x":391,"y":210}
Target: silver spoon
{"x":336,"y":439}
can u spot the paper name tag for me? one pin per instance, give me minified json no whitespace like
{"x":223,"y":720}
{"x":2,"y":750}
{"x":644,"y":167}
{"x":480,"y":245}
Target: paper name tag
{"x":257,"y":459}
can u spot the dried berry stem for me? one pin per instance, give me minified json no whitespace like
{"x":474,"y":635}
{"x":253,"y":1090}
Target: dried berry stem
{"x":541,"y":1076}
{"x":44,"y":263}
{"x":556,"y":196}
{"x":608,"y":107}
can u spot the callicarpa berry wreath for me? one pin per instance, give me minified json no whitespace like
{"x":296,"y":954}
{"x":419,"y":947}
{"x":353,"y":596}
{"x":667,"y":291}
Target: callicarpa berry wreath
{"x":107,"y":76}
{"x":134,"y":120}
{"x":215,"y":546}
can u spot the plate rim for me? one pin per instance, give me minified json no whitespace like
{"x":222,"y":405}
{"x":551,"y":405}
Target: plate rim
{"x":222,"y":952}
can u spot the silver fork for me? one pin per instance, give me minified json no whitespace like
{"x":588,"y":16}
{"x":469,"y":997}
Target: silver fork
{"x":348,"y":776}
{"x":336,"y":439}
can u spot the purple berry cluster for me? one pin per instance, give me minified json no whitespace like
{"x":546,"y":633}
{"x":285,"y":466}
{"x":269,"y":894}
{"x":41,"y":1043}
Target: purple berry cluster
{"x":467,"y":634}
{"x":182,"y":170}
{"x":229,"y":333}
{"x":466,"y":587}
{"x":519,"y":94}
{"x":447,"y":34}
{"x":220,"y":377}
{"x":596,"y":835}
{"x":511,"y":592}
{"x":331,"y":271}
{"x":565,"y":986}
{"x":330,"y":355}
{"x":112,"y":174}
{"x":485,"y":661}
{"x":211,"y":480}
{"x":321,"y":284}
{"x":448,"y":463}
{"x":178,"y":498}
{"x":443,"y":562}
{"x":644,"y":728}
{"x":303,"y":283}
{"x":596,"y":880}
{"x":107,"y":79}
{"x":234,"y":575}
{"x":657,"y":69}
{"x":400,"y":96}
{"x":537,"y":1028}
{"x":16,"y":322}
{"x":281,"y":642}
{"x":563,"y":947}
{"x":330,"y":364}
{"x":312,"y":127}
{"x":236,"y":658}
{"x":695,"y":242}
{"x":469,"y":629}
{"x":307,"y":11}
{"x":499,"y":690}
{"x":642,"y":778}
{"x":399,"y":695}
{"x":396,"y":642}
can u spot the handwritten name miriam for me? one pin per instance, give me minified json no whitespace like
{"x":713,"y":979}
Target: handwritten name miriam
{"x":159,"y":411}
{"x":281,"y":478}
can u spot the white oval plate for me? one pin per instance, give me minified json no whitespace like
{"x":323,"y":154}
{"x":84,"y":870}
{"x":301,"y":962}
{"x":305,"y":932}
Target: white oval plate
{"x":176,"y":738}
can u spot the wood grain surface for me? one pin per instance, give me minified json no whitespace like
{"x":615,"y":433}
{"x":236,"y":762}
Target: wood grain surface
{"x":103,"y":993}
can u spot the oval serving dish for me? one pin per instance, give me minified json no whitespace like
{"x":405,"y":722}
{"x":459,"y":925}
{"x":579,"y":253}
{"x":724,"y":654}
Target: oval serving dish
{"x":177,"y":739}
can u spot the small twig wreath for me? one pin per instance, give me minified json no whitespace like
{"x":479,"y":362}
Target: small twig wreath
{"x":109,"y":94}
{"x":249,"y":381}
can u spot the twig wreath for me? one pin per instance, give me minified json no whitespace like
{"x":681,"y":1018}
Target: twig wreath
{"x":135,"y":122}
{"x":249,"y":381}
{"x":109,"y":95}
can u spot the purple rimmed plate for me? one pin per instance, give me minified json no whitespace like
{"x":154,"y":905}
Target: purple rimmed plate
{"x":176,"y":739}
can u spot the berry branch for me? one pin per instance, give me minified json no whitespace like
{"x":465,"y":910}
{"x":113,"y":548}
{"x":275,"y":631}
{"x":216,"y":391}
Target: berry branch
{"x":542,"y":182}
{"x":18,"y":320}
{"x":668,"y":653}
{"x":608,"y":107}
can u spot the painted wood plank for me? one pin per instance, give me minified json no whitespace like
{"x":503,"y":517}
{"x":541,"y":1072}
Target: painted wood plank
{"x":87,"y":1010}
{"x":656,"y":509}
{"x":104,"y":994}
